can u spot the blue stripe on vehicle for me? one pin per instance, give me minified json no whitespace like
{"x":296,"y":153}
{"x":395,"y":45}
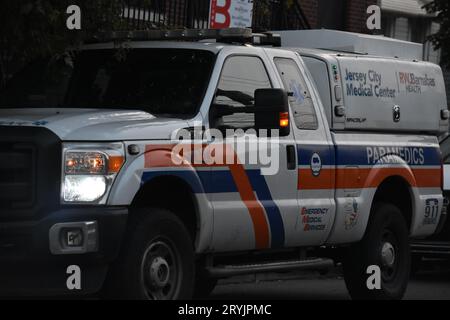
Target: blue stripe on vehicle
{"x":261,"y":188}
{"x":358,"y":155}
{"x":221,"y":181}
{"x":305,"y":152}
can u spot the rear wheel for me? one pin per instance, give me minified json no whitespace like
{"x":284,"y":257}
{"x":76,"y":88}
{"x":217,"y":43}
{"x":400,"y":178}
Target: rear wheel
{"x":157,"y":261}
{"x":385,"y":245}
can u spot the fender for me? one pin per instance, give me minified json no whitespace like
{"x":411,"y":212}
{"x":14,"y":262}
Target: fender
{"x":155,"y":162}
{"x":355,"y":192}
{"x":378,"y":174}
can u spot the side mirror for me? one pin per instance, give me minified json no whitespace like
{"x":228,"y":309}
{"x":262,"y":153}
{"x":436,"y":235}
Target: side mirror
{"x":272,"y":110}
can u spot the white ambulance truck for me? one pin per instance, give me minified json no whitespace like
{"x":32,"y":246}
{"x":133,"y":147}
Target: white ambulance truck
{"x":95,"y":183}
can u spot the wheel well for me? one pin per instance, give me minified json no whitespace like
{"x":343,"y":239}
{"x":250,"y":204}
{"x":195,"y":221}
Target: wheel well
{"x":396,"y":190}
{"x":171,"y":193}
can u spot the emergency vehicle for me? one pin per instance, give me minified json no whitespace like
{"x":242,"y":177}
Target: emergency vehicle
{"x":96,"y":179}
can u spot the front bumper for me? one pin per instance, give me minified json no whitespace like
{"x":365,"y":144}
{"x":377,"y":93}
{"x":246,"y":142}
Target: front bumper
{"x":28,"y":268}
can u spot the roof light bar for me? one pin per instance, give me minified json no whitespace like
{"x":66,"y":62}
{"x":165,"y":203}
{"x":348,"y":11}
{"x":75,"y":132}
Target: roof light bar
{"x":267,"y":39}
{"x":229,"y":35}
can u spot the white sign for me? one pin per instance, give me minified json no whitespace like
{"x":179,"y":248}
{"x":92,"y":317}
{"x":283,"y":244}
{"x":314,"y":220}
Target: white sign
{"x":230,"y":14}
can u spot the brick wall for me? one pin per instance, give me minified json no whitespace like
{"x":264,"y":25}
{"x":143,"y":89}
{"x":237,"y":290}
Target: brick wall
{"x":357,"y":15}
{"x":310,"y":9}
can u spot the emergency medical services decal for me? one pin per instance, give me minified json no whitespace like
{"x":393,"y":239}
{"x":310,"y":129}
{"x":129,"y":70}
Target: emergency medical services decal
{"x":312,"y":218}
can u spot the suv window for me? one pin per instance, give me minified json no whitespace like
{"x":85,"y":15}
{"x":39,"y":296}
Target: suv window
{"x":163,"y":82}
{"x":299,"y":96}
{"x":168,"y":82}
{"x":241,"y":76}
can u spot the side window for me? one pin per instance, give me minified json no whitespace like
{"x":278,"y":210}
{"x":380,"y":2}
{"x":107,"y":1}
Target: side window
{"x":299,"y":96}
{"x":241,"y":76}
{"x":319,"y":72}
{"x":445,"y":149}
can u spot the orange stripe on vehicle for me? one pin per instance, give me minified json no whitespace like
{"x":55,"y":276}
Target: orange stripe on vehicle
{"x":245,"y":189}
{"x":357,"y":178}
{"x":161,"y":156}
{"x":158,"y":155}
{"x":255,"y":209}
{"x":428,"y":178}
{"x":306,"y":180}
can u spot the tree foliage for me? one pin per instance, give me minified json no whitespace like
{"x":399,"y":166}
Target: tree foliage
{"x":441,"y":39}
{"x":30,"y":29}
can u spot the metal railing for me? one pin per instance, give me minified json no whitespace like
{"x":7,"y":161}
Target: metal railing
{"x":267,"y":14}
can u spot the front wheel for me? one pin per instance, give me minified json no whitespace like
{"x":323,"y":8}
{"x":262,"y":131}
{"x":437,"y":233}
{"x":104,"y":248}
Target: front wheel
{"x":157,"y":261}
{"x":385,"y":246}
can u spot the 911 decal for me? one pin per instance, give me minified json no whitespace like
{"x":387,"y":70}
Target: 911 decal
{"x":431,"y":211}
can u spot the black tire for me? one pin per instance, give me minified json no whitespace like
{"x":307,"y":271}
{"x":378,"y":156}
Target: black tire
{"x":156,"y":261}
{"x":387,"y":230}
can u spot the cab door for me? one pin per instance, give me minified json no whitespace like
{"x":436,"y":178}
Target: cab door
{"x":315,"y":153}
{"x":254,"y":204}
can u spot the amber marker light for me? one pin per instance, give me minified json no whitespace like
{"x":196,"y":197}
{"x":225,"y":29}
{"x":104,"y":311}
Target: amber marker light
{"x":115,"y":163}
{"x":284,"y":119}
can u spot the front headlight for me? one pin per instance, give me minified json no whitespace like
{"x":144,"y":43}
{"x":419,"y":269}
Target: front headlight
{"x":89,"y":171}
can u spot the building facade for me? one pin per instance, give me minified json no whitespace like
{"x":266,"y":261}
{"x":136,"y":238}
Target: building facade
{"x":408,"y":20}
{"x":345,"y":15}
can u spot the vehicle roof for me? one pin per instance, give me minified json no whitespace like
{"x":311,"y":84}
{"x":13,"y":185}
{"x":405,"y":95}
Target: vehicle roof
{"x":214,"y":47}
{"x":325,"y":53}
{"x":207,"y":45}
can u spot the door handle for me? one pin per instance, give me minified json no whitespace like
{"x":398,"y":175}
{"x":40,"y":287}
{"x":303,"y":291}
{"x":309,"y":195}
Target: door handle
{"x":291,"y":157}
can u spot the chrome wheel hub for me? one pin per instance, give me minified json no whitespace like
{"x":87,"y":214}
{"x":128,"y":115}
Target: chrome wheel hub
{"x":388,"y":254}
{"x":159,"y":272}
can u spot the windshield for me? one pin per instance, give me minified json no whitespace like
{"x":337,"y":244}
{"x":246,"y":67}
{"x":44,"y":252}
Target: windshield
{"x":169,"y":82}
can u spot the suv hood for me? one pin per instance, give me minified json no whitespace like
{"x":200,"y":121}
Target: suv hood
{"x":94,"y":124}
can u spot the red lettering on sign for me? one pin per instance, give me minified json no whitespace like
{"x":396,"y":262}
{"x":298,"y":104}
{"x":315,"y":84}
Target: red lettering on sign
{"x":217,"y":10}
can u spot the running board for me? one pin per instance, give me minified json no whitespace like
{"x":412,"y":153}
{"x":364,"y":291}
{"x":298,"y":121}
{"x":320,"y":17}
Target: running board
{"x":280,"y":266}
{"x":431,"y":248}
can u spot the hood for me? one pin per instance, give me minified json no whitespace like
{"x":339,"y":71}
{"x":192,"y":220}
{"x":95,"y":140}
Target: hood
{"x":94,"y":124}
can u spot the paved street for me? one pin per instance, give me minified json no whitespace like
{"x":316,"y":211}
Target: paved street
{"x":434,"y":285}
